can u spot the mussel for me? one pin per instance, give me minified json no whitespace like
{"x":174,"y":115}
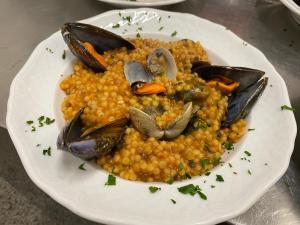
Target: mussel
{"x":242,"y":85}
{"x":146,"y":124}
{"x":140,"y":77}
{"x":88,"y":42}
{"x":93,"y":142}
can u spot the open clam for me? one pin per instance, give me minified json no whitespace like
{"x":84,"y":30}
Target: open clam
{"x":93,"y":142}
{"x":244,"y":86}
{"x":146,"y":124}
{"x":141,"y":77}
{"x":88,"y":42}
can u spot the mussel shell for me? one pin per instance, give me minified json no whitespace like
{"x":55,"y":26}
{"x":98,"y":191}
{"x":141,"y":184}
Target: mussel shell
{"x":75,"y":34}
{"x":241,"y":103}
{"x":245,"y":76}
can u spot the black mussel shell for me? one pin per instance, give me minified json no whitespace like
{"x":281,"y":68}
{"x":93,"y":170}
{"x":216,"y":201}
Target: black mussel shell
{"x":241,"y":103}
{"x":245,"y":76}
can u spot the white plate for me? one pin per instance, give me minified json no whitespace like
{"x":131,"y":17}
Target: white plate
{"x":141,"y":3}
{"x":294,"y":8}
{"x":35,"y":92}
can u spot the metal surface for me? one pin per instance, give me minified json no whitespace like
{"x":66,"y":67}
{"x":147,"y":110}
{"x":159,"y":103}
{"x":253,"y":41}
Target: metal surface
{"x":264,"y":23}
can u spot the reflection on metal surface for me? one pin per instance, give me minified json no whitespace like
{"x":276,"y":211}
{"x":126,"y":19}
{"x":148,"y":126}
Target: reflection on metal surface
{"x":266,"y":24}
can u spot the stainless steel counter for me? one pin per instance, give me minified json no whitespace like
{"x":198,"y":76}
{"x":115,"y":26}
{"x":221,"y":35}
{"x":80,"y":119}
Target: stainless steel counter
{"x":264,"y":23}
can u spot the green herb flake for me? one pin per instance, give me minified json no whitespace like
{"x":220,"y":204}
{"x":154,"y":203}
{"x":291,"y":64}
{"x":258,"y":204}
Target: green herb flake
{"x":216,"y":161}
{"x":212,"y":186}
{"x":140,"y":28}
{"x":187,"y":176}
{"x":47,"y":151}
{"x":138,"y":35}
{"x":154,"y":189}
{"x":204,"y":162}
{"x":160,"y":28}
{"x":235,"y":173}
{"x":174,"y":34}
{"x":251,"y":129}
{"x":266,"y":164}
{"x":120,"y":15}
{"x":64,"y":54}
{"x":173,"y":201}
{"x":207,"y":174}
{"x":202,"y":195}
{"x":33,"y":129}
{"x":228,"y":146}
{"x":219,"y":178}
{"x":29,"y":122}
{"x":169,"y":17}
{"x":230,"y":165}
{"x":247,"y":153}
{"x":81,"y":167}
{"x":49,"y":50}
{"x":48,"y":121}
{"x":159,"y":19}
{"x":180,"y":166}
{"x":111,"y":180}
{"x":189,"y":189}
{"x":285,"y":107}
{"x":191,"y":163}
{"x":249,"y":172}
{"x":171,"y":180}
{"x":38,"y":145}
{"x":116,"y":26}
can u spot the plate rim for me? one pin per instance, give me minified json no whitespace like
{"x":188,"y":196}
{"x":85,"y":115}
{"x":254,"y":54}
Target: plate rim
{"x":141,"y":4}
{"x":66,"y":203}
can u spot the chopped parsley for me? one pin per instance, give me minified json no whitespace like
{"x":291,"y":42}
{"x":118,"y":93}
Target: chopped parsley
{"x":63,"y":56}
{"x":29,"y":122}
{"x":140,"y":28}
{"x":187,"y":176}
{"x":230,"y":165}
{"x":247,"y":153}
{"x":191,"y":163}
{"x":160,"y":28}
{"x":138,"y":35}
{"x":116,"y":26}
{"x":249,"y":172}
{"x":192,"y":190}
{"x":235,"y":173}
{"x":174,"y":34}
{"x":120,"y":15}
{"x":180,"y":166}
{"x":216,"y":161}
{"x":207,"y":174}
{"x":266,"y":164}
{"x":81,"y":167}
{"x":49,"y":50}
{"x":171,"y":180}
{"x":47,"y":151}
{"x":154,"y":189}
{"x":219,"y":178}
{"x":33,"y":129}
{"x":111,"y":180}
{"x":128,"y":18}
{"x":251,"y":129}
{"x":285,"y":107}
{"x":228,"y":146}
{"x":212,"y":186}
{"x":204,"y":162}
{"x":38,"y":145}
{"x":159,"y":19}
{"x":173,"y":201}
{"x":48,"y":121}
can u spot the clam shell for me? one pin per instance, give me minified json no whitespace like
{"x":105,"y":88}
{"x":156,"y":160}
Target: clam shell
{"x":136,"y":72}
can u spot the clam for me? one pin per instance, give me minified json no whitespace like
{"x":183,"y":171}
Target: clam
{"x":88,"y":42}
{"x":140,"y":77}
{"x":146,"y":124}
{"x":244,"y":86}
{"x":93,"y":142}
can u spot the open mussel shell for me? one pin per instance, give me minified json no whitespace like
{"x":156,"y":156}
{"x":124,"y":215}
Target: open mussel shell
{"x":156,"y":68}
{"x":95,"y":141}
{"x":245,"y":76}
{"x":76,"y":34}
{"x":146,"y":124}
{"x":241,"y":103}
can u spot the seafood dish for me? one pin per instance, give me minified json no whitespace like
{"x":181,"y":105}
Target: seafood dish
{"x":149,"y":110}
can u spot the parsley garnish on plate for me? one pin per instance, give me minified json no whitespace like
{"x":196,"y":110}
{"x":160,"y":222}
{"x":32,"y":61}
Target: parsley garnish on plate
{"x":251,"y":129}
{"x":219,"y":178}
{"x":285,"y":107}
{"x":116,"y":26}
{"x":160,"y":28}
{"x":174,"y":34}
{"x":192,"y":189}
{"x":230,"y":165}
{"x":207,"y":174}
{"x":173,"y":201}
{"x":154,"y":189}
{"x":247,"y":153}
{"x":81,"y":167}
{"x":64,"y":54}
{"x":33,"y":129}
{"x":29,"y":122}
{"x":171,"y":180}
{"x":138,"y":35}
{"x":48,"y":121}
{"x":47,"y":151}
{"x":204,"y":162}
{"x":159,"y":19}
{"x":180,"y":166}
{"x":111,"y":180}
{"x":249,"y":172}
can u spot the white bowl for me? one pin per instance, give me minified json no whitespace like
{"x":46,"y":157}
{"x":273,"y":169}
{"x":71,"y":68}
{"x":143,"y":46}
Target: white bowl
{"x":34,"y":92}
{"x":294,"y":8}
